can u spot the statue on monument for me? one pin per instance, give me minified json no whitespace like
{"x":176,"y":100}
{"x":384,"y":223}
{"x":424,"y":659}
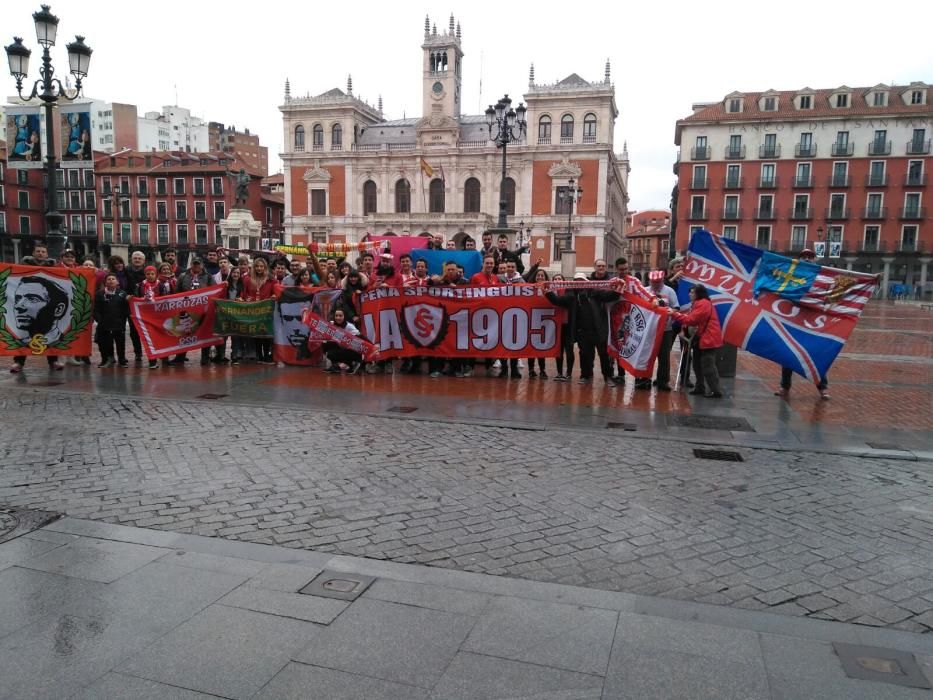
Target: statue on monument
{"x":241,"y":181}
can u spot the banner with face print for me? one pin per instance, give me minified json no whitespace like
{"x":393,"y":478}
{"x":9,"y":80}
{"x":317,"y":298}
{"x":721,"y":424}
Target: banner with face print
{"x":23,"y":137}
{"x":290,"y":334}
{"x":76,"y":137}
{"x":177,"y":323}
{"x":46,"y":310}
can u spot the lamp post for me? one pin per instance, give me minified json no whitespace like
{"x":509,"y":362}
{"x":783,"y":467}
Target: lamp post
{"x":570,"y":195}
{"x":50,"y":90}
{"x":819,"y":236}
{"x":506,"y":125}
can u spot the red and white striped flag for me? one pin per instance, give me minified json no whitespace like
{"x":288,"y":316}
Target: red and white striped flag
{"x":840,"y":291}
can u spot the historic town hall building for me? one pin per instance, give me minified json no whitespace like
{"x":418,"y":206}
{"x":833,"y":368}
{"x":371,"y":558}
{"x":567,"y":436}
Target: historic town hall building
{"x":349,"y":171}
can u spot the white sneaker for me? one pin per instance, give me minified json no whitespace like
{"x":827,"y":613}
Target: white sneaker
{"x":74,"y":362}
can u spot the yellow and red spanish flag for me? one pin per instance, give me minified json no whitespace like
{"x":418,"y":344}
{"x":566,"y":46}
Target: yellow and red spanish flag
{"x":426,"y":168}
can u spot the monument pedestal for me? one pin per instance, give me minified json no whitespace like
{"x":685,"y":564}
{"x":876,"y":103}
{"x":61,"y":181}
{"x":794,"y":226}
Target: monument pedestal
{"x":240,"y":231}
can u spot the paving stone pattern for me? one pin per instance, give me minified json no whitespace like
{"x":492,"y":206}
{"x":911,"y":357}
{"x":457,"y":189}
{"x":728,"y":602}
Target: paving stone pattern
{"x":817,"y":535}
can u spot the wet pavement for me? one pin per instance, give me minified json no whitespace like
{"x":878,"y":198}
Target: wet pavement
{"x":97,"y":611}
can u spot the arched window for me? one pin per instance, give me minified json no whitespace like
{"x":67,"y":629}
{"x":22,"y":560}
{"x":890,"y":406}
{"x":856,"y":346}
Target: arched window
{"x":436,"y":194}
{"x":317,"y":136}
{"x":369,"y":197}
{"x":402,"y":197}
{"x":299,"y":138}
{"x":544,"y":129}
{"x":508,"y":192}
{"x":336,"y":137}
{"x":471,"y":195}
{"x":589,"y":128}
{"x":566,"y":127}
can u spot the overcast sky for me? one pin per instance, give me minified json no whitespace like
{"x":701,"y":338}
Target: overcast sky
{"x":228,"y":61}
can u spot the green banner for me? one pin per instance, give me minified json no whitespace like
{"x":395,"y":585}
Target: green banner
{"x":248,"y":318}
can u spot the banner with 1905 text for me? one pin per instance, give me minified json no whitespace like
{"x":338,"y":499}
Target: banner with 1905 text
{"x":497,"y":322}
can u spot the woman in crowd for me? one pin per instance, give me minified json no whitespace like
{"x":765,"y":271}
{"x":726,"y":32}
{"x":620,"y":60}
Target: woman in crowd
{"x":342,"y":356}
{"x":538,"y":276}
{"x":166,"y":280}
{"x":332,"y":282}
{"x":354,"y":284}
{"x":258,"y":285}
{"x":707,"y":341}
{"x":303,"y":280}
{"x":234,"y":293}
{"x":116,"y":266}
{"x":566,"y":342}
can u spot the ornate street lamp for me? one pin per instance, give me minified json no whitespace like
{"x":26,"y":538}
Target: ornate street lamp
{"x":506,"y":125}
{"x":570,"y":195}
{"x":50,"y":90}
{"x":819,"y":236}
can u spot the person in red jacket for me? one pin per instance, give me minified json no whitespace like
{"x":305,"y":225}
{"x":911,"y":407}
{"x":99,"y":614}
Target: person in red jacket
{"x":256,"y":286}
{"x":708,"y":340}
{"x":486,"y":277}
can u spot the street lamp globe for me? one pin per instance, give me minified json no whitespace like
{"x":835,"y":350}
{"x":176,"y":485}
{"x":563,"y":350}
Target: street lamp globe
{"x":520,"y":112}
{"x":490,"y":112}
{"x":510,"y":118}
{"x":46,"y":26}
{"x":18,"y":57}
{"x":79,"y":57}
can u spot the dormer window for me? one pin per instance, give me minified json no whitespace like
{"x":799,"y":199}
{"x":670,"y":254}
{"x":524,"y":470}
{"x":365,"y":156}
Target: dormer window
{"x":916,"y":97}
{"x":806,"y":102}
{"x":842,"y":100}
{"x":735,"y":104}
{"x":879,"y":99}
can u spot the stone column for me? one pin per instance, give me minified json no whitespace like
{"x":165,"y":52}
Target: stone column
{"x":15,"y":250}
{"x":923,"y":274}
{"x":849,"y":263}
{"x":886,"y":276}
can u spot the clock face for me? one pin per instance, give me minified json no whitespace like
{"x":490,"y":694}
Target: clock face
{"x":438,"y":88}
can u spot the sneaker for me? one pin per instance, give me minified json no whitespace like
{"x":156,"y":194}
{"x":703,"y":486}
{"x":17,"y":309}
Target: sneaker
{"x":783,"y":393}
{"x":74,"y":362}
{"x":124,"y":363}
{"x":356,"y":368}
{"x":532,"y":374}
{"x":57,"y":366}
{"x":610,"y":382}
{"x":86,"y":361}
{"x":584,"y":380}
{"x":235,"y":361}
{"x":153,"y":364}
{"x":332,"y":369}
{"x":371,"y":368}
{"x":664,"y":387}
{"x":643,"y":384}
{"x":824,"y":394}
{"x":467,"y":373}
{"x":138,"y":361}
{"x":16,"y":368}
{"x":542,"y":374}
{"x":561,"y":378}
{"x":435,"y":374}
{"x":280,"y":365}
{"x":713,"y":395}
{"x":458,"y":374}
{"x":697,"y":392}
{"x":106,"y":363}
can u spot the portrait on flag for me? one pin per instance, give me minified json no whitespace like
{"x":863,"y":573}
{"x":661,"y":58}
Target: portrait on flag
{"x":177,"y":323}
{"x":290,"y":333}
{"x":23,"y":137}
{"x":76,"y":137}
{"x":46,"y":310}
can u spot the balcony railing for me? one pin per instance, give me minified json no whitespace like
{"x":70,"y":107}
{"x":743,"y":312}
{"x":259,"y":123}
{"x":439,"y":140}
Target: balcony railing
{"x":544,"y":140}
{"x":913,"y":212}
{"x":918,"y":147}
{"x":566,"y":139}
{"x":768,"y":182}
{"x":806,"y":181}
{"x":801,"y":213}
{"x":735,"y":152}
{"x":837,"y":181}
{"x":697,"y":214}
{"x":837,"y":213}
{"x":797,"y":245}
{"x":143,"y":217}
{"x":843,"y":149}
{"x":765,"y":213}
{"x":699,"y":153}
{"x":805,"y":151}
{"x":769,"y":151}
{"x":731,"y":214}
{"x":872,"y":247}
{"x":317,"y":147}
{"x":589,"y":139}
{"x":162,"y":217}
{"x":699,"y":183}
{"x":875,"y":213}
{"x":915,"y":180}
{"x":876,"y":181}
{"x":734,"y":183}
{"x":908,"y":247}
{"x":142,"y":192}
{"x":879,"y":148}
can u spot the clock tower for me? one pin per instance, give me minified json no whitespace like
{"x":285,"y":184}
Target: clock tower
{"x":443,"y":72}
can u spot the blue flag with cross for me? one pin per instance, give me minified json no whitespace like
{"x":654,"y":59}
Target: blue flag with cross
{"x":788,"y":277}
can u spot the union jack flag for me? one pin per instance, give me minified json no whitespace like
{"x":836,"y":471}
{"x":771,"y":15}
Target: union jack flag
{"x":804,"y":335}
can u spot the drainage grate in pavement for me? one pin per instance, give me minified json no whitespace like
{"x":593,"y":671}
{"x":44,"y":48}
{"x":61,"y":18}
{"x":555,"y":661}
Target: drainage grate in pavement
{"x":622,"y":426}
{"x":211,"y":397}
{"x":338,"y":584}
{"x":402,"y":409}
{"x":710,"y":422}
{"x":14,"y":523}
{"x":881,"y":665}
{"x":885,"y":446}
{"x":719,"y":455}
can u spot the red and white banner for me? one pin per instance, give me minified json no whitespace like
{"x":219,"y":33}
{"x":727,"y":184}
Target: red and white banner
{"x":499,"y":322}
{"x":46,"y":310}
{"x":329,"y":333}
{"x":177,"y":323}
{"x":636,"y":330}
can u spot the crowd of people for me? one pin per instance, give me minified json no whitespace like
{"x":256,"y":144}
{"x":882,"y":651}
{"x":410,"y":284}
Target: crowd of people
{"x":584,"y":336}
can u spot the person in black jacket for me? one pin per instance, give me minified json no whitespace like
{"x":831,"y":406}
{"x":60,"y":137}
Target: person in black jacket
{"x":589,"y":326}
{"x":135,"y":274}
{"x":191,"y":280}
{"x":111,"y":311}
